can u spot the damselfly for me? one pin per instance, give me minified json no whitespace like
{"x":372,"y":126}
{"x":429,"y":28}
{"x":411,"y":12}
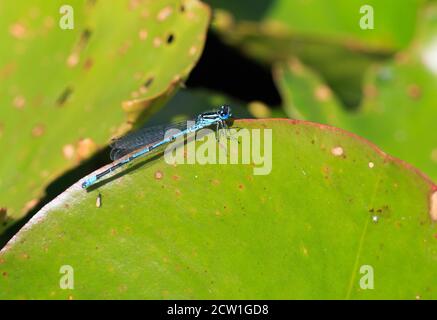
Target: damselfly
{"x":146,"y":140}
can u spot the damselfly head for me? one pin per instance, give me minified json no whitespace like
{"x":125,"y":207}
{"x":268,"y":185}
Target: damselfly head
{"x":224,"y":112}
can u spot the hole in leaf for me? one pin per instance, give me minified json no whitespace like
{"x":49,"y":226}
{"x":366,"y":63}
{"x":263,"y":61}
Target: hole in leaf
{"x":84,"y":38}
{"x":170,"y":38}
{"x":64,"y":96}
{"x":148,"y":82}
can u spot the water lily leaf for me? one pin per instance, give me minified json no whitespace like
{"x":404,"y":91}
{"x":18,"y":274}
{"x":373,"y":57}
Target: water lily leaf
{"x":398,"y":112}
{"x":66,"y":92}
{"x":333,"y":209}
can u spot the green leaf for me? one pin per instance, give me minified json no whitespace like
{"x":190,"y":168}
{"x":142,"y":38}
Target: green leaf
{"x":336,"y":20}
{"x":305,"y":96}
{"x":332,"y":204}
{"x":324,"y":35}
{"x":398,"y":112}
{"x":65,"y":93}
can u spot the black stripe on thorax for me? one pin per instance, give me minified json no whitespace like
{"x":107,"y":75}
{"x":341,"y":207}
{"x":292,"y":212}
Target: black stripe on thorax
{"x":209,"y":115}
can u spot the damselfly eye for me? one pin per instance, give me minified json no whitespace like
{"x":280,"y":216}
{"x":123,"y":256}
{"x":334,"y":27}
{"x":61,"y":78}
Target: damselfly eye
{"x":224,"y":112}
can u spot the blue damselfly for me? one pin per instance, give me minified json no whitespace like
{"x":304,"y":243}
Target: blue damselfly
{"x":144,"y":141}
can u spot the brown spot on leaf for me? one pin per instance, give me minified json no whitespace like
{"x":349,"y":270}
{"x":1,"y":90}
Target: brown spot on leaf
{"x":88,"y":64}
{"x":49,"y":22}
{"x":215,"y":182}
{"x":7,"y":70}
{"x":19,"y":102}
{"x":157,"y":42}
{"x":145,"y":13}
{"x":73,"y":60}
{"x":143,"y":34}
{"x":326,"y":171}
{"x":4,"y":274}
{"x":18,"y":30}
{"x":337,"y":151}
{"x":433,"y":206}
{"x":190,"y":15}
{"x":142,"y":90}
{"x":176,"y":177}
{"x":322,"y":93}
{"x":133,"y":4}
{"x":414,"y":91}
{"x":68,"y":151}
{"x":99,"y":201}
{"x":295,"y":66}
{"x":85,"y":148}
{"x":164,"y":13}
{"x":124,"y":47}
{"x":38,"y":130}
{"x":192,"y":51}
{"x":159,"y":175}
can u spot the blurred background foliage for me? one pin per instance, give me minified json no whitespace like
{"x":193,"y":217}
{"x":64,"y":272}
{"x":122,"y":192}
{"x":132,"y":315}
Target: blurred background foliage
{"x":323,"y":34}
{"x":304,"y":59}
{"x":380,"y":83}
